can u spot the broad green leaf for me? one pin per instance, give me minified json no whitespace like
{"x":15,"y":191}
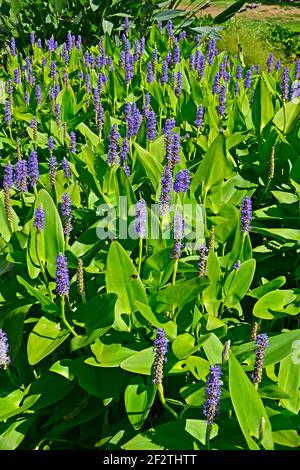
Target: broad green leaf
{"x":46,"y":303}
{"x":109,"y":355}
{"x":183,"y":292}
{"x":158,"y":320}
{"x":141,"y":362}
{"x":289,"y":379}
{"x":211,"y":295}
{"x":184,"y":345}
{"x":107,"y":384}
{"x":151,"y":165}
{"x":176,"y":435}
{"x":12,"y":432}
{"x":287,"y":116}
{"x":139,"y":398}
{"x":10,"y":404}
{"x":229,"y":12}
{"x":122,"y":279}
{"x":86,"y":132}
{"x":13,"y":325}
{"x":276,"y":304}
{"x":269,"y":286}
{"x":281,"y":233}
{"x":280,"y":346}
{"x":248,"y":407}
{"x":262,"y":110}
{"x":107,"y":26}
{"x":50,"y":388}
{"x":213,"y":349}
{"x":212,"y":169}
{"x":238,"y":282}
{"x":66,"y":98}
{"x":5,"y":226}
{"x":45,"y":337}
{"x":45,"y":245}
{"x":97,"y":316}
{"x":198,"y":366}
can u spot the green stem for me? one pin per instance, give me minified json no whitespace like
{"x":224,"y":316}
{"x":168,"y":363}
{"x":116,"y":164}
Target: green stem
{"x":140,"y":255}
{"x":207,"y":437}
{"x":43,"y":271}
{"x":11,"y":226}
{"x":67,"y":242}
{"x":11,"y":378}
{"x":63,"y":316}
{"x":284,"y":115}
{"x":160,"y":390}
{"x":175,"y":268}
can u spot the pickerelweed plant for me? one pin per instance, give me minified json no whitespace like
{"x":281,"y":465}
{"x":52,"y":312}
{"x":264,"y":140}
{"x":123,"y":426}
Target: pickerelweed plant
{"x":149,"y":193}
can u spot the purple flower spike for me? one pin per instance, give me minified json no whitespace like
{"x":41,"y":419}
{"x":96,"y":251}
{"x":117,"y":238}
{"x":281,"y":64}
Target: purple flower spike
{"x":150,"y":72}
{"x":178,"y":88}
{"x":222,"y":102}
{"x":216,"y":84}
{"x":239,"y":72}
{"x":203,"y":252}
{"x":21,"y":176}
{"x":170,"y":29}
{"x":33,"y":169}
{"x":62,"y":275}
{"x":262,"y":342}
{"x":17,"y":79}
{"x":26,"y":98}
{"x":8,"y":177}
{"x":126,"y":25}
{"x":182,"y":181}
{"x":13,"y":47}
{"x":66,"y":212}
{"x":166,"y":187}
{"x":164,"y":72}
{"x":285,"y":80}
{"x":297,"y":70}
{"x":151,"y":126}
{"x":50,"y":144}
{"x":213,"y":394}
{"x":141,"y":218}
{"x":52,"y":170}
{"x":146,"y":107}
{"x":32,"y":38}
{"x":66,"y":168}
{"x":199,"y":116}
{"x":178,"y":234}
{"x":53,"y":72}
{"x":4,"y":350}
{"x":38,"y":94}
{"x":176,"y":56}
{"x":246,"y":215}
{"x":160,"y":350}
{"x":7,"y":113}
{"x":58,"y":114}
{"x":175,"y":150}
{"x":125,"y":149}
{"x":113,"y":148}
{"x":247,"y":81}
{"x":169,"y":126}
{"x":72,"y":142}
{"x":270,"y":62}
{"x":39,"y":219}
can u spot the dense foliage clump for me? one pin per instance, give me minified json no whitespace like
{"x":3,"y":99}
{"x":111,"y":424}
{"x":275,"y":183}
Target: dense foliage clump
{"x":150,"y":234}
